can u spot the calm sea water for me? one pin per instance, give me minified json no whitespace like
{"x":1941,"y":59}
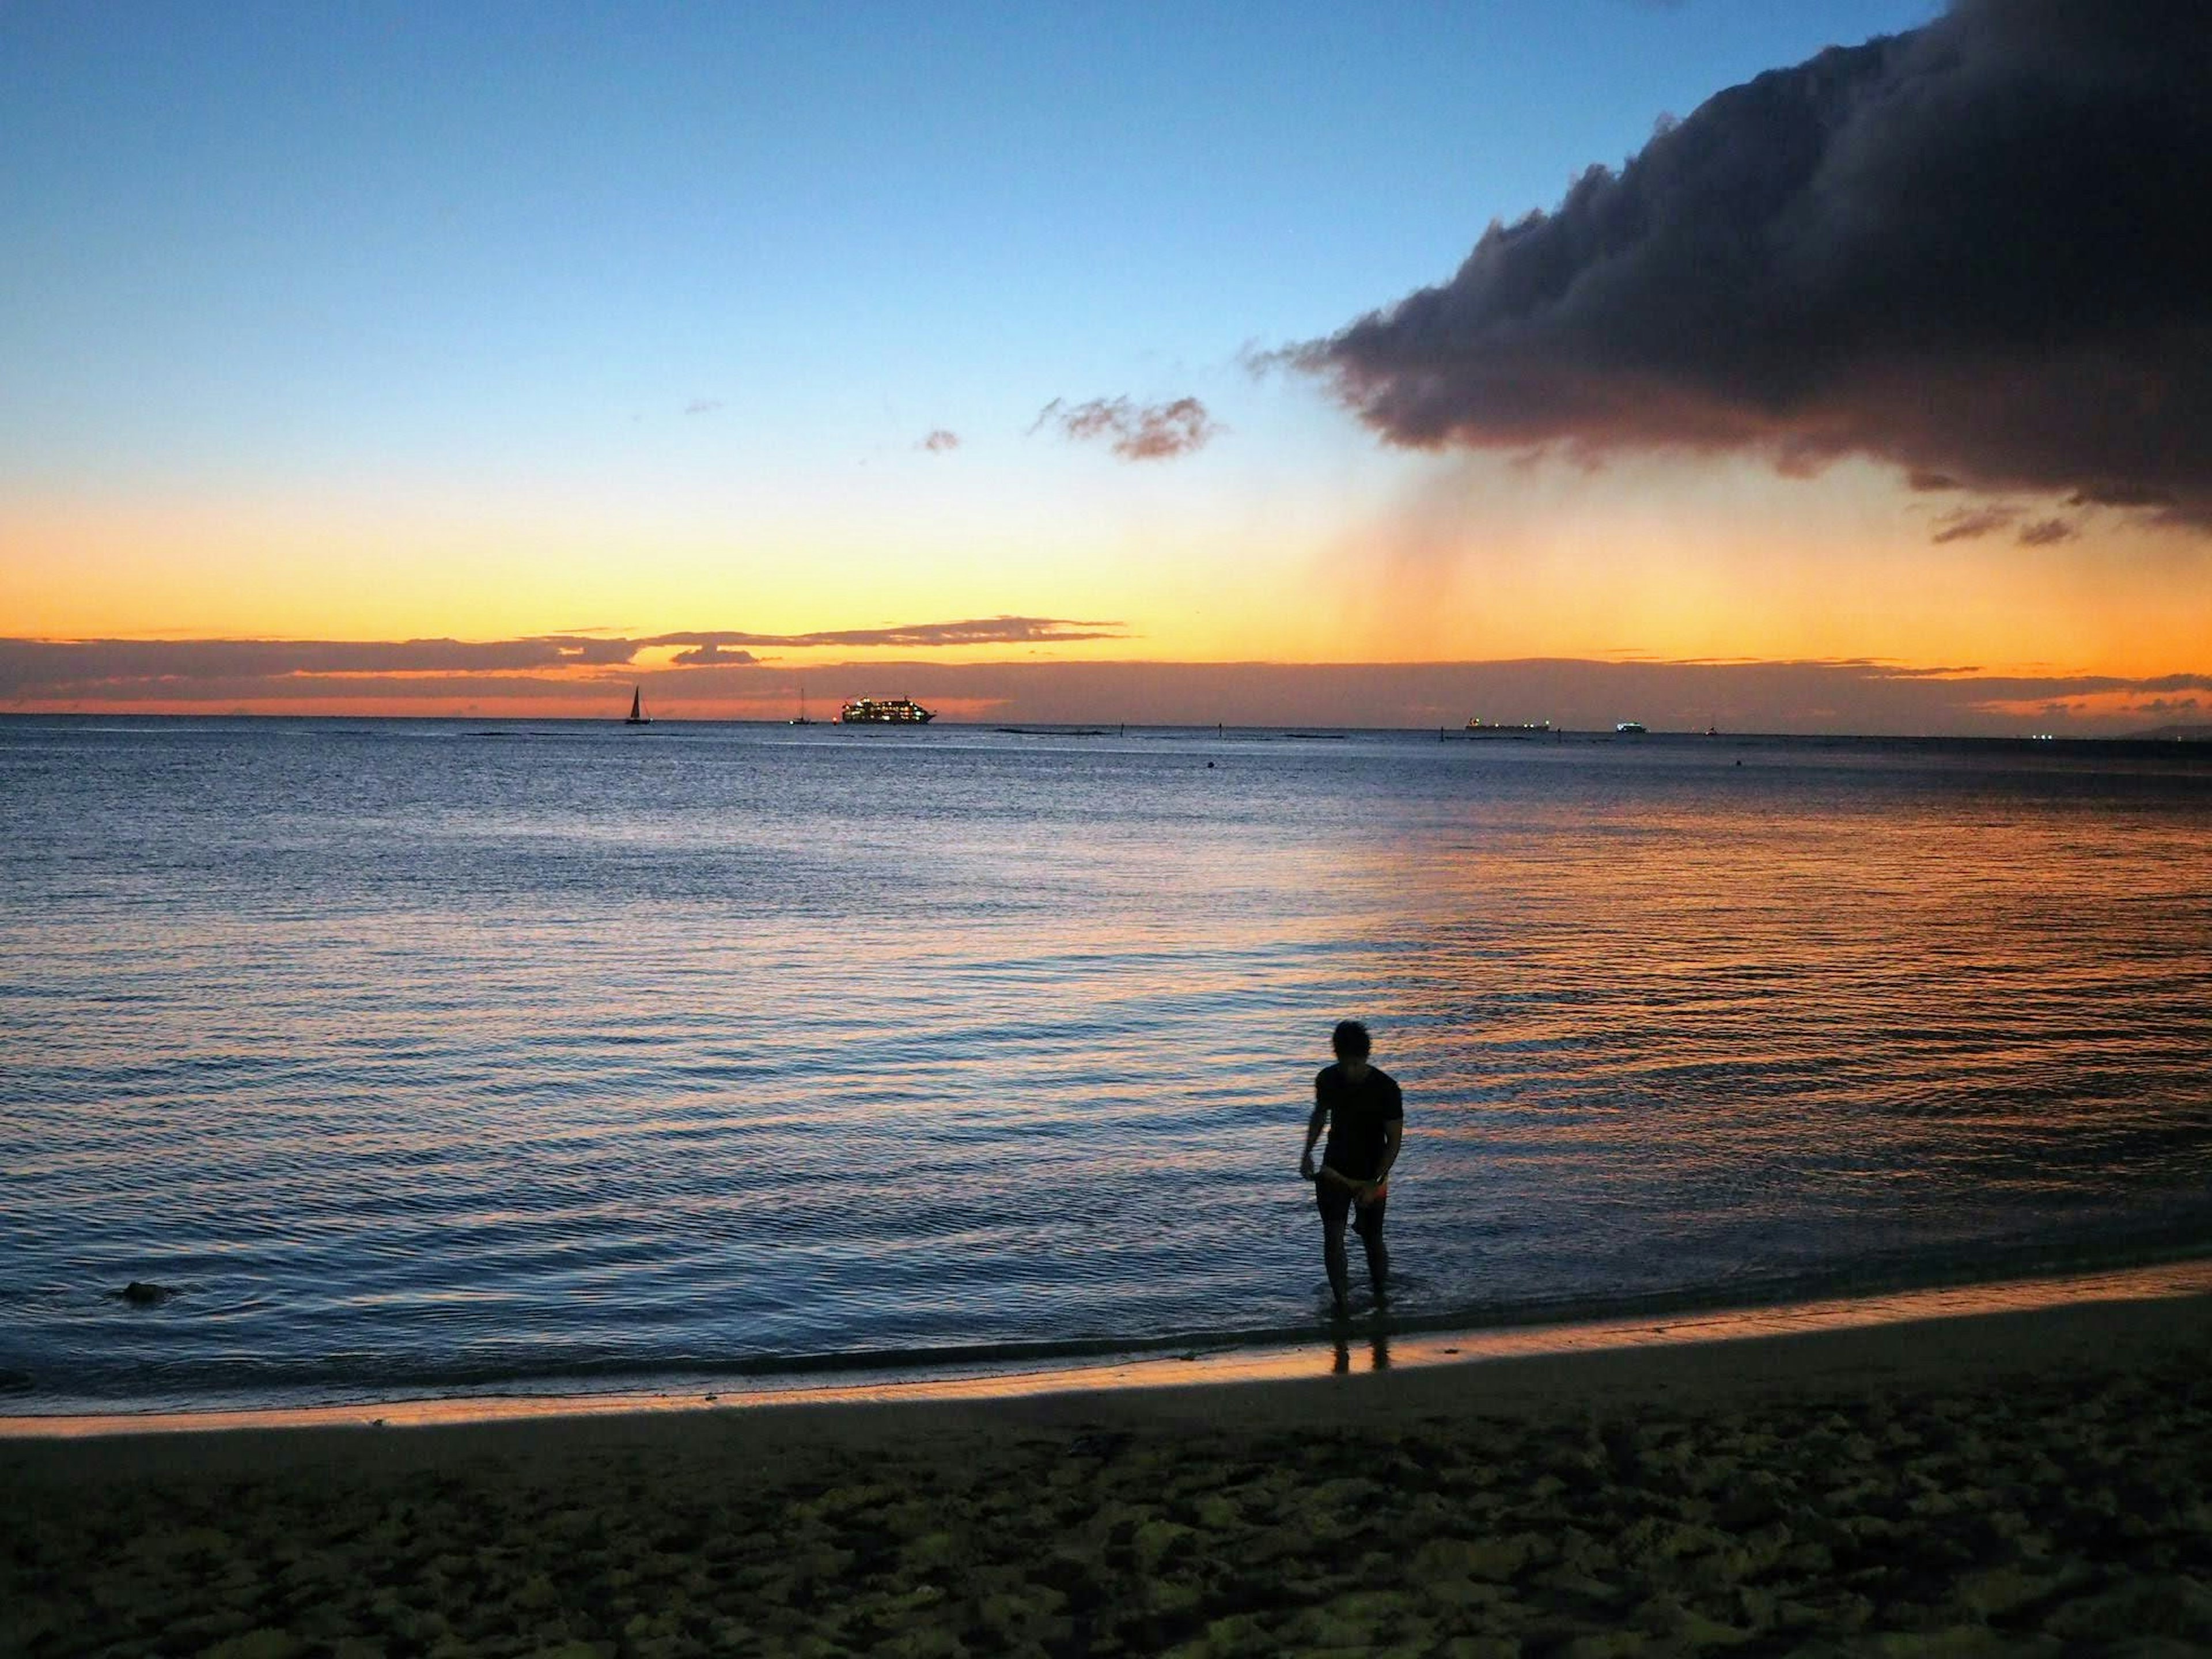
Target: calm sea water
{"x":425,"y":1055}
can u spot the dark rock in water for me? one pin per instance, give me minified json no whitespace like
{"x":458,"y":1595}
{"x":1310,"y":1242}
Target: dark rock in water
{"x":139,"y":1294}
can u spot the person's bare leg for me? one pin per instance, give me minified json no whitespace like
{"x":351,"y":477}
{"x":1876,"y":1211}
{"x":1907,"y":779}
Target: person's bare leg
{"x":1378,"y":1253}
{"x":1332,"y":1252}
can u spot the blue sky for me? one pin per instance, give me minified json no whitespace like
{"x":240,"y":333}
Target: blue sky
{"x":298,"y":241}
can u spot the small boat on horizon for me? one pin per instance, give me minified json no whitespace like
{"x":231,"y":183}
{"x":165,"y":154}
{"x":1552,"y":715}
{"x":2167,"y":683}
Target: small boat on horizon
{"x":800,"y":718}
{"x":884,"y":711}
{"x":637,"y":716}
{"x":1629,"y":728}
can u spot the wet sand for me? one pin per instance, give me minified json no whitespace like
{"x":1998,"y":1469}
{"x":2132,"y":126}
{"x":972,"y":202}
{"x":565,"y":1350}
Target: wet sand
{"x":2024,"y":1482}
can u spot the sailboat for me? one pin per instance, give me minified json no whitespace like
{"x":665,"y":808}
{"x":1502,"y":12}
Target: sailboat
{"x":801,"y":719}
{"x":637,"y":716}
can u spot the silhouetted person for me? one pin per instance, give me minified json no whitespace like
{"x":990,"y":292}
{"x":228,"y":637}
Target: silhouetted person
{"x":1360,"y":1107}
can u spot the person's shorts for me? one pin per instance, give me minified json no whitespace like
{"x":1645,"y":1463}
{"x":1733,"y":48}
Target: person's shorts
{"x":1335,"y":1201}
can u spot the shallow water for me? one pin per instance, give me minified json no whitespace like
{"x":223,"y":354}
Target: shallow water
{"x":438,"y":1055}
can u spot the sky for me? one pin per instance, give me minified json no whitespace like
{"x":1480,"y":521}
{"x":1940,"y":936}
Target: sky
{"x":1276,"y":362}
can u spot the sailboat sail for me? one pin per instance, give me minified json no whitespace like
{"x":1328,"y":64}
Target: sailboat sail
{"x":637,"y":716}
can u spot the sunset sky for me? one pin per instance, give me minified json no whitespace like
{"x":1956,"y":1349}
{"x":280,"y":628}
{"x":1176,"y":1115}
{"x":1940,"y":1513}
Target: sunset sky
{"x":1043,"y":362}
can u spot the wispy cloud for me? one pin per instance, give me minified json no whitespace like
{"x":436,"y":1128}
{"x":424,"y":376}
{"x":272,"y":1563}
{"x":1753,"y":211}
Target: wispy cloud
{"x":1971,"y":524}
{"x":1146,"y":432}
{"x":939,"y":441}
{"x":980,"y":631}
{"x":1967,"y":524}
{"x":703,"y":405}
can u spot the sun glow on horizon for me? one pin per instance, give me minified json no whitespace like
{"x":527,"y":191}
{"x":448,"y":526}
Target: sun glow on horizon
{"x":1420,"y":560}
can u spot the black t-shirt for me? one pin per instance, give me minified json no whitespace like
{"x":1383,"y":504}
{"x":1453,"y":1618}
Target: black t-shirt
{"x":1358,"y":1116}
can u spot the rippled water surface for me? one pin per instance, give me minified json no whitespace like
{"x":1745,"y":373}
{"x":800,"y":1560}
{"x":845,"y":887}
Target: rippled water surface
{"x":424,"y":1054}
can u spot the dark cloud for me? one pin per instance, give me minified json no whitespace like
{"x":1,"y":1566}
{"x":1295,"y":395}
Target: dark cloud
{"x":939,"y":441}
{"x":1148,"y":432}
{"x":1976,"y":250}
{"x":2047,"y":532}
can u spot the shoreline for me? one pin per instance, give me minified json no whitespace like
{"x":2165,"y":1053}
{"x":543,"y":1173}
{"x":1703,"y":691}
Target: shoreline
{"x":2021,"y":1480}
{"x":1359,"y":1346}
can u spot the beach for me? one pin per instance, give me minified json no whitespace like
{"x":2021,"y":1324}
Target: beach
{"x":2021,"y":1482}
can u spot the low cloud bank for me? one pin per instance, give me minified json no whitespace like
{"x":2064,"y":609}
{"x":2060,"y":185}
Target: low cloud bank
{"x":1976,"y":250}
{"x":713,"y":682}
{"x":63,"y":668}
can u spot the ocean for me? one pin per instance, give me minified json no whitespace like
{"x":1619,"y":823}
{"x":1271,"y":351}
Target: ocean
{"x":418,"y":1057}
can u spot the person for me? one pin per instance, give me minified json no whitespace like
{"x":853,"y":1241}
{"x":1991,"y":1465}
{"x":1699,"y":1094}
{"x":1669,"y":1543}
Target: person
{"x":1360,"y":1106}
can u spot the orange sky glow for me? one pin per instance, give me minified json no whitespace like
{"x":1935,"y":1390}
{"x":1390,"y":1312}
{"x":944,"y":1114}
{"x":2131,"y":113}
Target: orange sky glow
{"x":1417,"y":560}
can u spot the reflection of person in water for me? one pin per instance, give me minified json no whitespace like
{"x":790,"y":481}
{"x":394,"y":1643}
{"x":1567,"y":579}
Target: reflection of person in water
{"x":1360,"y":1107}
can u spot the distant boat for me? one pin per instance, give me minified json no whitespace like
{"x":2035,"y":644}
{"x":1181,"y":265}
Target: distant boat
{"x":885,"y":711}
{"x":800,"y":719}
{"x":1630,"y":728}
{"x":1478,"y":727}
{"x":637,"y":716}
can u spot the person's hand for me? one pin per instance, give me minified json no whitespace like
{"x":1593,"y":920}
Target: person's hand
{"x":1368,"y":1190}
{"x":1306,"y":1168}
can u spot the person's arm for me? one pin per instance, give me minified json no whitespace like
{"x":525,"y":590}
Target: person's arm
{"x":1315,"y":1125}
{"x":1394,"y":1133}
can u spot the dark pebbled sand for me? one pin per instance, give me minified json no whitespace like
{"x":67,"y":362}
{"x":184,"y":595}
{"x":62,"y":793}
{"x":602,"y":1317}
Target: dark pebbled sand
{"x":2012,"y":1483}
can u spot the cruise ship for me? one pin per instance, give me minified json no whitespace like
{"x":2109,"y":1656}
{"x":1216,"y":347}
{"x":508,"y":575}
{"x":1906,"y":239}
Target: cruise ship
{"x":884,"y":711}
{"x":1478,"y":727}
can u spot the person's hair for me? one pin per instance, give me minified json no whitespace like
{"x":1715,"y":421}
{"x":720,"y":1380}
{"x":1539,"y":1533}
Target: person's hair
{"x":1350,"y":1040}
